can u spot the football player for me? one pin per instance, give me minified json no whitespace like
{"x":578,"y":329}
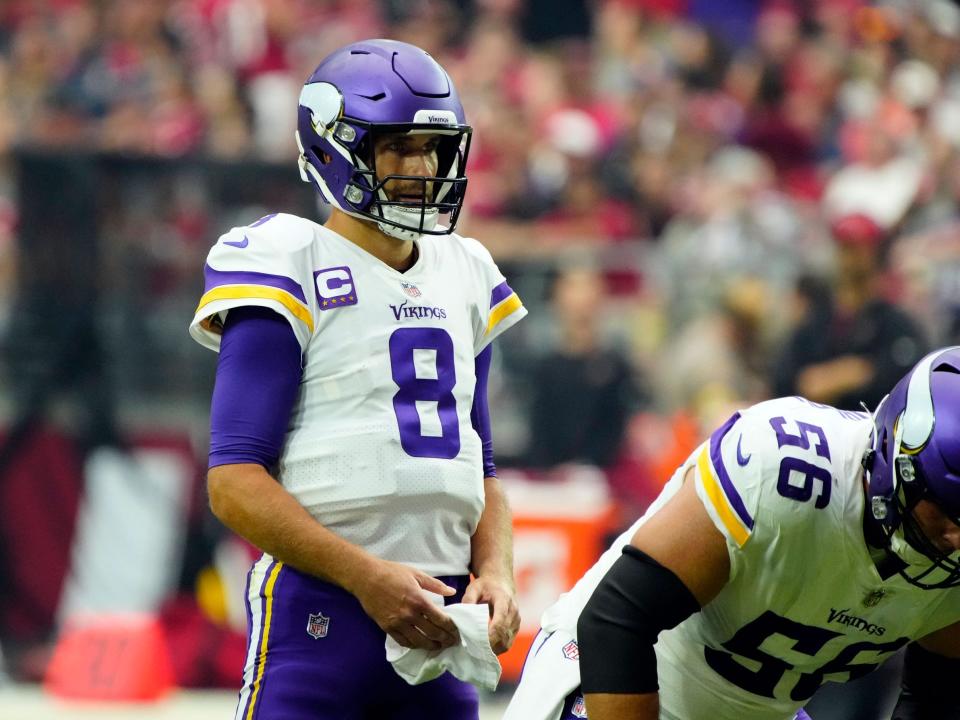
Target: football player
{"x":799,"y":544}
{"x":350,"y":438}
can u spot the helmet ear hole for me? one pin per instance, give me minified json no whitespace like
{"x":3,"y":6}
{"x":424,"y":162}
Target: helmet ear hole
{"x":365,"y":149}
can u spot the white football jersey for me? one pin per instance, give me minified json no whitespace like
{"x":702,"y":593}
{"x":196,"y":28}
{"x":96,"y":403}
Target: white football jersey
{"x":804,"y":604}
{"x":380,"y":446}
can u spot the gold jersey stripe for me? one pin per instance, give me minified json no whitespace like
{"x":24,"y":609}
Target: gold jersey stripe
{"x":509,"y":305}
{"x":719,"y":500}
{"x":242,"y":292}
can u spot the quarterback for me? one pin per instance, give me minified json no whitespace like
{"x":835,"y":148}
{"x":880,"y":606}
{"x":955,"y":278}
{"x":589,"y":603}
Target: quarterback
{"x":350,"y":437}
{"x":800,"y":544}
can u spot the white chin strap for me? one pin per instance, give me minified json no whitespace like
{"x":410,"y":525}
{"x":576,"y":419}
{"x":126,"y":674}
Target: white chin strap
{"x":902,"y":549}
{"x":919,"y":564}
{"x":410,"y":218}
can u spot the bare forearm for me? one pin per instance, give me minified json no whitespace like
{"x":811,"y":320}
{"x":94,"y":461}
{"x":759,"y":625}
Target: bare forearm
{"x":491,"y":550}
{"x":250,"y":502}
{"x":826,"y":381}
{"x":604,"y":706}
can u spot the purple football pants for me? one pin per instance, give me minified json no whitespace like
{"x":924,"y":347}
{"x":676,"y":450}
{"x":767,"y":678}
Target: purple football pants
{"x":314,"y":654}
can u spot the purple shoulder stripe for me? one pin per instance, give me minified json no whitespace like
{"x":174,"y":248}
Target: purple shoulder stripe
{"x":736,"y":502}
{"x":500,"y":293}
{"x":262,"y":220}
{"x":216,"y":278}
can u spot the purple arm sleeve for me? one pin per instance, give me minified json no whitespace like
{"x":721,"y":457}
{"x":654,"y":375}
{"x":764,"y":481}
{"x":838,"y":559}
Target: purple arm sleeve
{"x":258,"y":375}
{"x":480,"y":413}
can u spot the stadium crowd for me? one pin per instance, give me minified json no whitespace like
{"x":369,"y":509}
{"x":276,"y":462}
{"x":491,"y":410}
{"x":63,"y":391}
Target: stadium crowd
{"x":697,"y":159}
{"x":730,"y":200}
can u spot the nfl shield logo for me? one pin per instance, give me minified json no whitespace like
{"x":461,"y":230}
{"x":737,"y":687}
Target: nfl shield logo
{"x":317,"y":625}
{"x":579,"y":708}
{"x":410,"y":289}
{"x":571,"y":651}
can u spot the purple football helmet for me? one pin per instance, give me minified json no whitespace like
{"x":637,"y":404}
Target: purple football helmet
{"x":915,"y":456}
{"x":382,"y":87}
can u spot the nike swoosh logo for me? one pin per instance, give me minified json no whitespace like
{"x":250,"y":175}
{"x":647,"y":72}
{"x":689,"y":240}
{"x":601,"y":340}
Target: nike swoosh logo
{"x":741,"y":460}
{"x":238,"y":243}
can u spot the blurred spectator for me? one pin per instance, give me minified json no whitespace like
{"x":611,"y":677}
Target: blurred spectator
{"x":809,"y":310}
{"x":576,"y":207}
{"x":881,"y":182}
{"x":227,"y":125}
{"x":718,"y":362}
{"x":772,"y":126}
{"x":732,"y":223}
{"x":583,"y":389}
{"x":865,"y":343}
{"x":928,"y":264}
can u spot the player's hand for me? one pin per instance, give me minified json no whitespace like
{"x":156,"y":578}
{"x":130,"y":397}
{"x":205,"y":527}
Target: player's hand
{"x":392,"y":594}
{"x":504,"y":613}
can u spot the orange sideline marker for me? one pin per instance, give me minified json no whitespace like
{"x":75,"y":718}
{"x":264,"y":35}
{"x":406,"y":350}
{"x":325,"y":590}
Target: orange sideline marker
{"x":110,"y":657}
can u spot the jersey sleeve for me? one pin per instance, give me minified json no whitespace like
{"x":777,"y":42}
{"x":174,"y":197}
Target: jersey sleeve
{"x":264,"y":264}
{"x":500,"y":308}
{"x":729,"y":478}
{"x":741,"y":480}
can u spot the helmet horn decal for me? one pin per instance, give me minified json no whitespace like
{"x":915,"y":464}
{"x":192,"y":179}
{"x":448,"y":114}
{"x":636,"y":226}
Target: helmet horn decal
{"x":917,"y":420}
{"x":325,"y":103}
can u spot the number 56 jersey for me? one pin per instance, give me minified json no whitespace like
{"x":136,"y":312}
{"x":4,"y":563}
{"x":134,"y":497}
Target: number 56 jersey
{"x":380,"y":447}
{"x":804,"y":602}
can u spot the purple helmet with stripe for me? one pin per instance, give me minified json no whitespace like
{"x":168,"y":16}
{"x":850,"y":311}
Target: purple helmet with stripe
{"x":915,"y":456}
{"x":382,"y":87}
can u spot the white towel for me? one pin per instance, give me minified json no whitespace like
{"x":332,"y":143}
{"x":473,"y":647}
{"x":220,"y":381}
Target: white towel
{"x":472,"y":661}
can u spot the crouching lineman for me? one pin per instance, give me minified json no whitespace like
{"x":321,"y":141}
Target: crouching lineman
{"x":800,"y":544}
